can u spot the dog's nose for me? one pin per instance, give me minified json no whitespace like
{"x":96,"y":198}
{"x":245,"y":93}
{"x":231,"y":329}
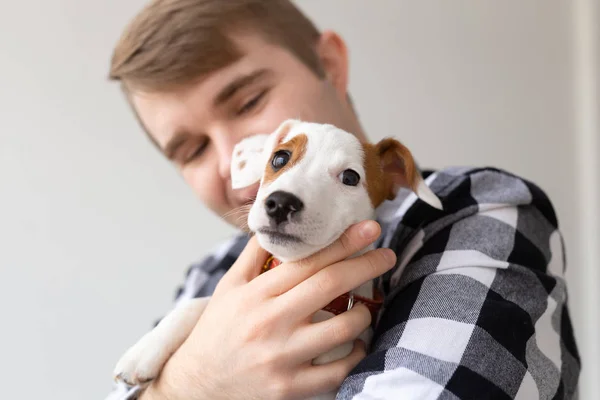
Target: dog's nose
{"x":280,"y":204}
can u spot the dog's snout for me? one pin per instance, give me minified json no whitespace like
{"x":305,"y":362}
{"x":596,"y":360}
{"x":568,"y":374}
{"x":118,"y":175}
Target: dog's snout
{"x":279,"y":205}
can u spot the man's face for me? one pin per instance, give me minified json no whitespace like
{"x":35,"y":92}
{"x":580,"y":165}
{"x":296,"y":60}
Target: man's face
{"x":197,"y":127}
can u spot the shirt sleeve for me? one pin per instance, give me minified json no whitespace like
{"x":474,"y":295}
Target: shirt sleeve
{"x":476,"y":307}
{"x":201,"y":279}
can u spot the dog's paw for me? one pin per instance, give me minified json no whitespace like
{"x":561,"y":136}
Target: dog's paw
{"x":143,"y":362}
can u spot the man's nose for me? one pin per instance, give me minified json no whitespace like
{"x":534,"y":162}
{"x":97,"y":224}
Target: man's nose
{"x":281,"y":205}
{"x":224,"y":145}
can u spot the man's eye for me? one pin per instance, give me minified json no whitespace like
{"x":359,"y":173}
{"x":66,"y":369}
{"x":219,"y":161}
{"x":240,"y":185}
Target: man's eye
{"x":252,"y":103}
{"x":195,"y":153}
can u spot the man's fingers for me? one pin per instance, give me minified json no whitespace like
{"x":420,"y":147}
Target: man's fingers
{"x":320,"y":289}
{"x":315,"y":339}
{"x":246,"y":267}
{"x":316,"y":379}
{"x":290,"y":274}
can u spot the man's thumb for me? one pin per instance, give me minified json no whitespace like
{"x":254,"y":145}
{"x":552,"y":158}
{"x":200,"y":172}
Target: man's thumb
{"x":247,"y":266}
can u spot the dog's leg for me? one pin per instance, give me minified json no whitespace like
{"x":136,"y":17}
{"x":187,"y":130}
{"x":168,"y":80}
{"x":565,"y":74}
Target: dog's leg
{"x":144,"y":360}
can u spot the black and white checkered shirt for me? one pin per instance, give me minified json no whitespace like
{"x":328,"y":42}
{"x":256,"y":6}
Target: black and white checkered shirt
{"x":476,"y":307}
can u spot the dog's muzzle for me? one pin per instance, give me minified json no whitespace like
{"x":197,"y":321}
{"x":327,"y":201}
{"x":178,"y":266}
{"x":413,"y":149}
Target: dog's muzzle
{"x":280,"y":206}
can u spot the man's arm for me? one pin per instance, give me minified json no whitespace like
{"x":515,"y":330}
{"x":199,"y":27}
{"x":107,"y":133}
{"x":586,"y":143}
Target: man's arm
{"x":477,"y":306}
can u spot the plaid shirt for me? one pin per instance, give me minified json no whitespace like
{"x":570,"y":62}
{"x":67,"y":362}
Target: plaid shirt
{"x":476,"y":307}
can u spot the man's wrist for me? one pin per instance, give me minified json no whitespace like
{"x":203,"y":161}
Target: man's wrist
{"x":174,"y":382}
{"x":160,"y":389}
{"x":150,"y":394}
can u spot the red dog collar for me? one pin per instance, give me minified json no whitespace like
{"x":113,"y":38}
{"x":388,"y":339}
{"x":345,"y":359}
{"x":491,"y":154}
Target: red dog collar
{"x":341,"y":303}
{"x":271,"y":263}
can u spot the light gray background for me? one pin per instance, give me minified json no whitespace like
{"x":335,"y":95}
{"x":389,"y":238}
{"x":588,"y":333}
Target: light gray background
{"x":96,"y":229}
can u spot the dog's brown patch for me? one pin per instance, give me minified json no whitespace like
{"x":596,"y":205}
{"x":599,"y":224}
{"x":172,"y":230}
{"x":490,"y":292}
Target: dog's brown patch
{"x":388,"y":165}
{"x":239,"y":153}
{"x":377,"y":185}
{"x":296,"y":146}
{"x":241,"y":165}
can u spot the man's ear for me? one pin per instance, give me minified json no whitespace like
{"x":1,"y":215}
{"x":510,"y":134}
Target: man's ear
{"x":251,"y":155}
{"x":333,"y":55}
{"x":400,"y":170}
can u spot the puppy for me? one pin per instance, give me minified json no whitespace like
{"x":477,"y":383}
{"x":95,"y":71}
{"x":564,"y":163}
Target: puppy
{"x":315,"y":181}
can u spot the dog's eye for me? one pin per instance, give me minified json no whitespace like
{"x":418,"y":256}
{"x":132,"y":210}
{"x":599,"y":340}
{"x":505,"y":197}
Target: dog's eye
{"x":350,"y":177}
{"x":280,"y":159}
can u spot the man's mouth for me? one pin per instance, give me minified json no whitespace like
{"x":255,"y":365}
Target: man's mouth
{"x":279,"y":238}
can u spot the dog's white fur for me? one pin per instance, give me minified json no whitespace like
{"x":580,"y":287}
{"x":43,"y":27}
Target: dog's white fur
{"x":330,"y":207}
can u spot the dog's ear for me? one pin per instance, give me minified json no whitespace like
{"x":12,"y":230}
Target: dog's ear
{"x":400,"y":170}
{"x":246,"y":169}
{"x":251,"y":155}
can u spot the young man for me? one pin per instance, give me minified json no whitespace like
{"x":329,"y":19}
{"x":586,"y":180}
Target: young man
{"x":476,"y":302}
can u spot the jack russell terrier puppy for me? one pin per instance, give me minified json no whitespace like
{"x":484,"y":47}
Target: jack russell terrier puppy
{"x":315,"y":181}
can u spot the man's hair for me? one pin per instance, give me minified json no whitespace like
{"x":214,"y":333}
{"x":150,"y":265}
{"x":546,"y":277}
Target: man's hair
{"x":171,"y":43}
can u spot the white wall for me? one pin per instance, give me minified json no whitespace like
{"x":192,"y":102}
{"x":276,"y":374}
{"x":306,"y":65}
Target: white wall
{"x":87,"y":206}
{"x":586,"y":54}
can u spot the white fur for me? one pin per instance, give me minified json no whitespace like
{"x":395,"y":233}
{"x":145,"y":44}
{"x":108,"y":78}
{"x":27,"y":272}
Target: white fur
{"x":330,"y":207}
{"x":427,"y":195}
{"x":142,"y":362}
{"x":246,"y":156}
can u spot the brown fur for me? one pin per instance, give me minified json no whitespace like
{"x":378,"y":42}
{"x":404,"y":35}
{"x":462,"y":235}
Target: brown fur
{"x":377,"y":185}
{"x":296,"y":146}
{"x":388,"y":165}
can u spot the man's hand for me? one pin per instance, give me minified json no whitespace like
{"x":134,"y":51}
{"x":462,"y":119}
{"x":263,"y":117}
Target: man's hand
{"x":255,"y":339}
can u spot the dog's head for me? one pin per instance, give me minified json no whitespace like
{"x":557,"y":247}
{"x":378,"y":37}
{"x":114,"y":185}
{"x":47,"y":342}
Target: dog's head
{"x":316,"y":181}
